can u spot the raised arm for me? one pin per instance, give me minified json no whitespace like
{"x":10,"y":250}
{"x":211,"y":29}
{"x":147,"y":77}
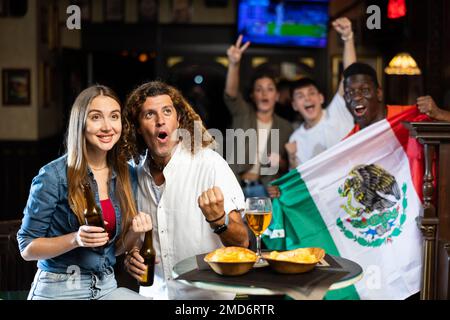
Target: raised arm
{"x":343,"y":26}
{"x":427,"y":105}
{"x":234,"y":54}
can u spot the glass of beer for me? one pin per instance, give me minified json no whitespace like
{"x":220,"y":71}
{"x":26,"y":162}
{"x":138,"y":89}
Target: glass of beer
{"x":258,"y":213}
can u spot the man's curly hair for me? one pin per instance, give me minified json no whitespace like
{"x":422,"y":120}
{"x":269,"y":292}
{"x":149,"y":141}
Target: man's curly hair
{"x":135,"y":144}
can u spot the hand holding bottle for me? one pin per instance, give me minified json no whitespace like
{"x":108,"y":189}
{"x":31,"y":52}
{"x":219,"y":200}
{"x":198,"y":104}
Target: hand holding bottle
{"x":134,"y":263}
{"x":91,"y":237}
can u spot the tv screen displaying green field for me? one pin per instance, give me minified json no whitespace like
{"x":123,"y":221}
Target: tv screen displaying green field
{"x":284,"y":23}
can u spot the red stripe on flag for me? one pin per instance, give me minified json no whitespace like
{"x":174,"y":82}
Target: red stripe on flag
{"x":412,"y":147}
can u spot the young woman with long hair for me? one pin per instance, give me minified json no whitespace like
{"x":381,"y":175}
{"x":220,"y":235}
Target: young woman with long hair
{"x":75,"y":260}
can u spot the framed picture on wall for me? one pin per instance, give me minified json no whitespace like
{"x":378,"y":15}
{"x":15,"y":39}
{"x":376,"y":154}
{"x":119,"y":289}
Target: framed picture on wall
{"x":148,"y":10}
{"x":337,"y":68}
{"x":16,"y":87}
{"x":113,"y":10}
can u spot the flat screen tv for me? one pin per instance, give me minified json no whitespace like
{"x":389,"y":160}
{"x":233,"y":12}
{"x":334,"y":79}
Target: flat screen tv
{"x":290,"y":23}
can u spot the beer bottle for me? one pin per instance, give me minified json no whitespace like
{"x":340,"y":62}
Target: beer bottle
{"x":92,"y":213}
{"x":149,"y":254}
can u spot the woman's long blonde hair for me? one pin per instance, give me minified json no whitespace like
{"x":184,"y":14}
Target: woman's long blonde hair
{"x":77,"y":160}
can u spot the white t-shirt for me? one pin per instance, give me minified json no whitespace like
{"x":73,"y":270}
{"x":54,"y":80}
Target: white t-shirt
{"x":179,"y":227}
{"x":335,"y":124}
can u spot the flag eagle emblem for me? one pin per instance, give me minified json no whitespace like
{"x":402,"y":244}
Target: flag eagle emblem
{"x":375,"y":208}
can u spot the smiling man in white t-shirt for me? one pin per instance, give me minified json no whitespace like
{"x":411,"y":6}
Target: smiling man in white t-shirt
{"x":322,"y":128}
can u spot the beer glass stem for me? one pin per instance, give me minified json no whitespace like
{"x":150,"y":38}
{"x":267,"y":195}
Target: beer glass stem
{"x":258,"y":247}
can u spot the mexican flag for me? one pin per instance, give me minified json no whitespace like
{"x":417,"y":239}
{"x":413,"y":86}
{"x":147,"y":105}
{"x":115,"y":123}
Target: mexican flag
{"x":359,"y":200}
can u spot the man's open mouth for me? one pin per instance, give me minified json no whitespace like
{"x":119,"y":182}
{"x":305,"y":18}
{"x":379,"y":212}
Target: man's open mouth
{"x":163,"y":136}
{"x":360,"y":110}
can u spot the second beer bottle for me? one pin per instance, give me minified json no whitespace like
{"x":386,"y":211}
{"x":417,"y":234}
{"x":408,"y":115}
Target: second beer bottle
{"x":149,"y":254}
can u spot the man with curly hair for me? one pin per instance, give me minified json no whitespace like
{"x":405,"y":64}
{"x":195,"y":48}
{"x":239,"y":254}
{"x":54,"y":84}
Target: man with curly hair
{"x":190,"y":191}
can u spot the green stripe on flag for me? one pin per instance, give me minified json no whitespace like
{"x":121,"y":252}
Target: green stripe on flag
{"x":296,"y":213}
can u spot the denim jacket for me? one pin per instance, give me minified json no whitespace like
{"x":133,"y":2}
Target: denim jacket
{"x":47,"y":214}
